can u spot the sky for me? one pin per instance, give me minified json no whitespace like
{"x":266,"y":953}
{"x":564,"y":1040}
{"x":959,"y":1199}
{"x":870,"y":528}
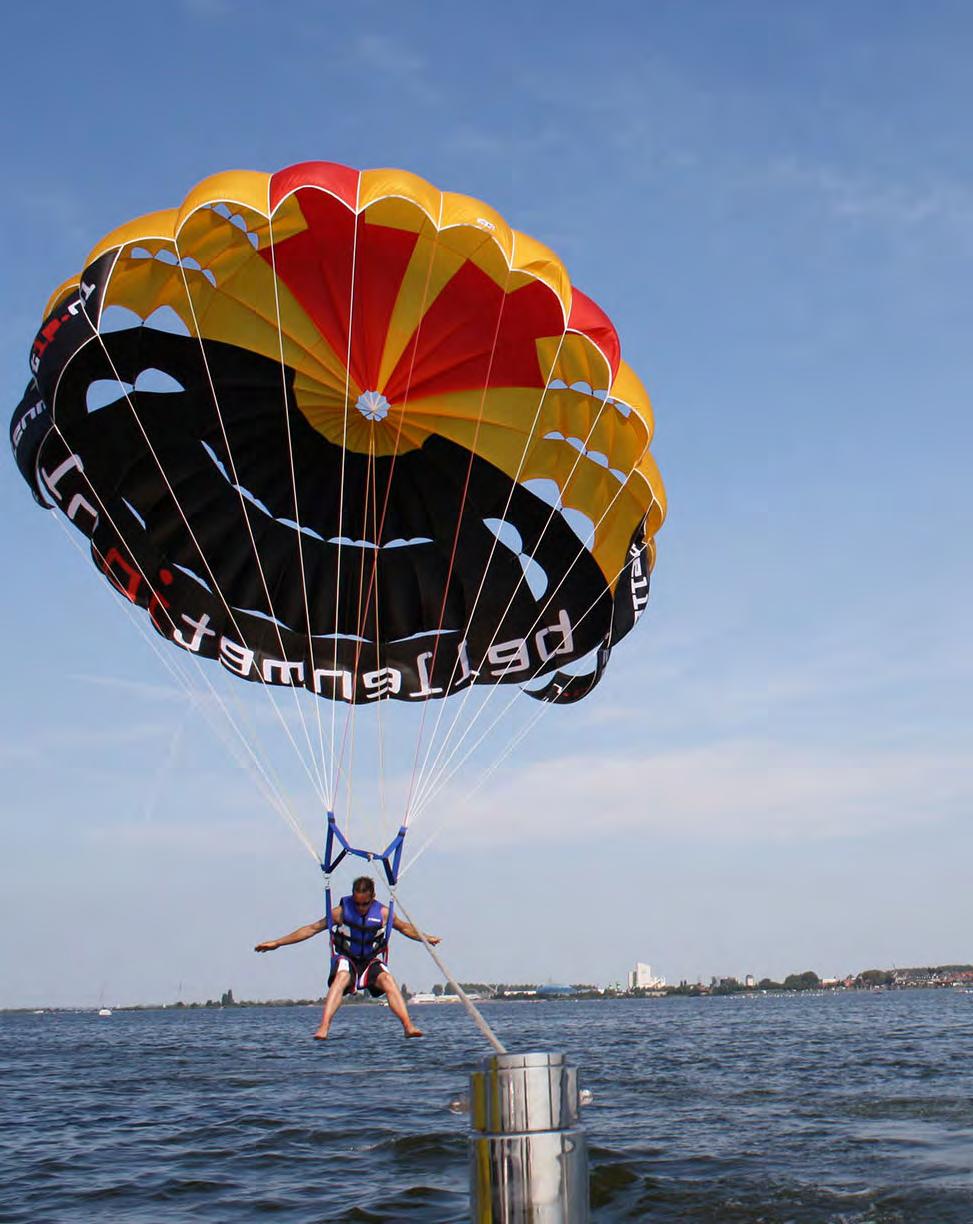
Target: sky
{"x":774,"y":204}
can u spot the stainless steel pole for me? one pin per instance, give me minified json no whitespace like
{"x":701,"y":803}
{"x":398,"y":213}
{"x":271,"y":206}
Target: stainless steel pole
{"x":528,"y":1152}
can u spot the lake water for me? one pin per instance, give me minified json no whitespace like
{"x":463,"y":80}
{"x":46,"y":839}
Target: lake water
{"x":848,"y":1108}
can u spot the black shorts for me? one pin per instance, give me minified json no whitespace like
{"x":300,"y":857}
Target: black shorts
{"x":364,"y":974}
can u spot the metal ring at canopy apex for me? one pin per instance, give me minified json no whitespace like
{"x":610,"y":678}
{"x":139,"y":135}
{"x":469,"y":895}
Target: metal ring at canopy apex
{"x":272,"y":304}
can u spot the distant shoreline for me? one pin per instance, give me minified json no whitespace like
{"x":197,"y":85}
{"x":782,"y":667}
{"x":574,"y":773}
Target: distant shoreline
{"x":583,"y":997}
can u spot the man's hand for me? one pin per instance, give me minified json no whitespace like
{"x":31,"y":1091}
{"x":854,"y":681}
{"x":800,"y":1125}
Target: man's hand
{"x":433,"y":939}
{"x":268,"y":945}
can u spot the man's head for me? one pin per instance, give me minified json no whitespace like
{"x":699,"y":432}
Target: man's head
{"x":363,"y":892}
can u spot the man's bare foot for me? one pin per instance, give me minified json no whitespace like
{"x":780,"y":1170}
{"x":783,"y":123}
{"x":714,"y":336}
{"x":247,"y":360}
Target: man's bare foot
{"x":413,"y":1032}
{"x":321,"y":1034}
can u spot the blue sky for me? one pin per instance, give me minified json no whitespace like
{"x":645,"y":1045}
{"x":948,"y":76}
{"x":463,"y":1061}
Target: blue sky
{"x":775,"y":205}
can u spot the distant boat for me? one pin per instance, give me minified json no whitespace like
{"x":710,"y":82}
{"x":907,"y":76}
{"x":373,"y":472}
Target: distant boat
{"x":104,"y":1011}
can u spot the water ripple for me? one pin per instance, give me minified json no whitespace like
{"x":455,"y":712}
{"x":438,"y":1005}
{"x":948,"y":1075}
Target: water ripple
{"x":833,"y":1109}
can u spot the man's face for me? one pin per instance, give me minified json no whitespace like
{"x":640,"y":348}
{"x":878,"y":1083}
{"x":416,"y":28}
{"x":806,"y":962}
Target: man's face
{"x":362,"y":901}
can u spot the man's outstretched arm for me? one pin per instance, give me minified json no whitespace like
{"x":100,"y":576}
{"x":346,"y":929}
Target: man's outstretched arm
{"x":410,"y":932}
{"x":298,"y":936}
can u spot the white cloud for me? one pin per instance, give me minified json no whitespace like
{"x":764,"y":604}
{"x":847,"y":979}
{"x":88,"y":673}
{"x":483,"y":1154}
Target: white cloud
{"x":735,"y":790}
{"x":867,"y":197}
{"x":137,"y":688}
{"x":116,"y":734}
{"x":210,"y":838}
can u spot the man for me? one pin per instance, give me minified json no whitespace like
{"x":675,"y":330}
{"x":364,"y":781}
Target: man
{"x":360,"y":944}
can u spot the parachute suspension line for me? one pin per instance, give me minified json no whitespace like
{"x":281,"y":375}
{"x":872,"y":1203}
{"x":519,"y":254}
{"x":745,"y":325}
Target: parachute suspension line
{"x":523,"y":576}
{"x":380,"y":527}
{"x":365,"y":593}
{"x":486,"y":570}
{"x":493,"y":548}
{"x":319,"y":762}
{"x":444,"y":777}
{"x":438,"y":781}
{"x":484,"y":777}
{"x":321,"y":783}
{"x":348,"y":733}
{"x":434,"y":785}
{"x":192,"y":536}
{"x":416,"y":770}
{"x":249,"y":759}
{"x":374,"y":584}
{"x":371,"y":495}
{"x":321,"y":786}
{"x":471,"y":1008}
{"x":164,"y":767}
{"x":341,"y":481}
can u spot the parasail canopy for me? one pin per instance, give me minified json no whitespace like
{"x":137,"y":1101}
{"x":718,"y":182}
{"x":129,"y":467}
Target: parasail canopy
{"x":343,"y":431}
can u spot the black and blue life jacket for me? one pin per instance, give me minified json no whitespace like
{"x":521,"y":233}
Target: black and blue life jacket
{"x":360,"y":936}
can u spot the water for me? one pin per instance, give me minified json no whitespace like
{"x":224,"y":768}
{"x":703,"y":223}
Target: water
{"x":853,"y":1109}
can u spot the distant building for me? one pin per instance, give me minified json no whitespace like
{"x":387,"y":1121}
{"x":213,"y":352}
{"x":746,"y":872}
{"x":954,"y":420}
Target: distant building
{"x":749,"y":981}
{"x":641,"y":978}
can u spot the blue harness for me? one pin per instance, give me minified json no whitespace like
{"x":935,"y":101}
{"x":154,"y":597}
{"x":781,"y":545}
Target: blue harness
{"x":361,"y":932}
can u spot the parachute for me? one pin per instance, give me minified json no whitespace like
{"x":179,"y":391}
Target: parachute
{"x":344,"y":432}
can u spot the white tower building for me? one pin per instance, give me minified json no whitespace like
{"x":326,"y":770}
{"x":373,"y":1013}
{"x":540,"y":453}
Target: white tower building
{"x":641,"y":978}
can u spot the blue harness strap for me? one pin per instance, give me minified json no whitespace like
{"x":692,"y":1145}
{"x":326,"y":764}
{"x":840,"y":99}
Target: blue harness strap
{"x":337,"y":846}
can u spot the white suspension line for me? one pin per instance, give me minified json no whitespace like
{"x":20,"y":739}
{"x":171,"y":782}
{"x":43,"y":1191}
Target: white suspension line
{"x":374,"y":582}
{"x":413,"y":345}
{"x":250,"y":760}
{"x":164,"y":768}
{"x":493,"y":548}
{"x":167,"y":658}
{"x":523,"y":576}
{"x":443,"y":777}
{"x":297,"y":513}
{"x":452,"y":560}
{"x":351,"y":720}
{"x":192,"y":535}
{"x":321,"y":785}
{"x":341,"y":482}
{"x":423,"y":790}
{"x":378,"y":526}
{"x":478,"y":785}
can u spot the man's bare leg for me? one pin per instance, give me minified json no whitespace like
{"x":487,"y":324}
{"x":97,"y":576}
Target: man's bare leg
{"x":396,"y":1003}
{"x":332,"y":1003}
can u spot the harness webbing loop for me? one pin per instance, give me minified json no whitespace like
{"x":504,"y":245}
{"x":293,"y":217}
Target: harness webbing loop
{"x":390,"y":858}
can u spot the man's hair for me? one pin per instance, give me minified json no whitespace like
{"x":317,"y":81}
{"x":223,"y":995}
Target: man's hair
{"x":364,"y":884}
